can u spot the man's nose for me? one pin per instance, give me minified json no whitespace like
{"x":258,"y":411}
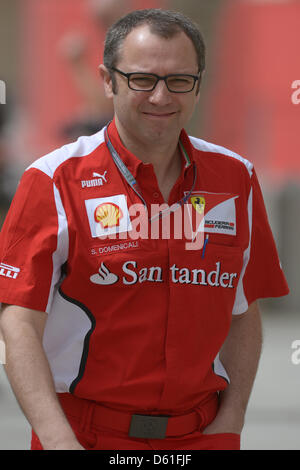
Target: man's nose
{"x":160,"y":95}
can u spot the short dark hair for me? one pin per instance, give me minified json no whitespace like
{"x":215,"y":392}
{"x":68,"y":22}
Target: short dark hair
{"x":164,"y":23}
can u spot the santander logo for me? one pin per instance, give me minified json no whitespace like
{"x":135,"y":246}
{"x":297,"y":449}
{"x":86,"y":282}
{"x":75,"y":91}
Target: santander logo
{"x":104,"y":276}
{"x":217,"y":277}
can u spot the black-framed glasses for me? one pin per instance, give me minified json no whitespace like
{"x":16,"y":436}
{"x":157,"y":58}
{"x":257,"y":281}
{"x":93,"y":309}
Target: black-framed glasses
{"x":176,"y":83}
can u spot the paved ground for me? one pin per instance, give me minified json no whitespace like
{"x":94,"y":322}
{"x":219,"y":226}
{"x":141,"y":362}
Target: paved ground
{"x":273,"y":417}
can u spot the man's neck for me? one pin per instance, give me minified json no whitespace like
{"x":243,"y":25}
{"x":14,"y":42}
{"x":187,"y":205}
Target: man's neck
{"x":164,"y":155}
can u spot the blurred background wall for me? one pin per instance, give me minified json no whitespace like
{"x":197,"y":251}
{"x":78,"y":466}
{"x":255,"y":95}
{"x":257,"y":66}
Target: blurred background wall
{"x":250,"y":109}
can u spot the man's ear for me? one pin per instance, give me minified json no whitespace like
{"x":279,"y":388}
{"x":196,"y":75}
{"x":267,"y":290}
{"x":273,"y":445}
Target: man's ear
{"x":107,"y":81}
{"x":199,"y":86}
{"x":198,"y":92}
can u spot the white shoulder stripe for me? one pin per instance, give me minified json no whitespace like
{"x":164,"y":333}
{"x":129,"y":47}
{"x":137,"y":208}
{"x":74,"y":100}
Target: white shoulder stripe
{"x":83,"y":146}
{"x":60,"y":255}
{"x":241,"y":303}
{"x":204,"y":146}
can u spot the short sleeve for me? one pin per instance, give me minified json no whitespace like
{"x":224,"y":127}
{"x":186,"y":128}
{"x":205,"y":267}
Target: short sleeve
{"x":33,"y":243}
{"x":262,"y":275}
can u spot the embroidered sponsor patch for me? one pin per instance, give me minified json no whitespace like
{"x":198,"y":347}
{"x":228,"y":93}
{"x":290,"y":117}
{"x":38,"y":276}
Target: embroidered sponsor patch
{"x":104,"y":276}
{"x":9,"y":271}
{"x":132,"y":273}
{"x":108,"y":215}
{"x":114,"y":248}
{"x":219,"y":211}
{"x":98,"y":180}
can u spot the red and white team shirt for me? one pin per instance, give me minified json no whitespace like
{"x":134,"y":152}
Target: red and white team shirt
{"x":136,"y":323}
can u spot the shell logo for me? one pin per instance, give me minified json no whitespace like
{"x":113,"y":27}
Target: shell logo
{"x":108,"y":215}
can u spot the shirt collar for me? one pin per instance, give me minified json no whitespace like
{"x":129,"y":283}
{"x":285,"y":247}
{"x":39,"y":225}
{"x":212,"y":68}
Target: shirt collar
{"x":186,"y":149}
{"x":133,"y":163}
{"x":130,"y":160}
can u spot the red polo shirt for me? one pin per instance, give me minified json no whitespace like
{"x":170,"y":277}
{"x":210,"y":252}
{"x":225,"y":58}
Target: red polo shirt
{"x":137,"y":323}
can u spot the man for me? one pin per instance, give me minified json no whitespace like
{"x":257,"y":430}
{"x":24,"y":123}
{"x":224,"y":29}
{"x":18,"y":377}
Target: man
{"x":146,"y":344}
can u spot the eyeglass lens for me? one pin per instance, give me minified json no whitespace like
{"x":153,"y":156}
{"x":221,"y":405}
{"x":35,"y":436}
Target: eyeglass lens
{"x":144,"y":82}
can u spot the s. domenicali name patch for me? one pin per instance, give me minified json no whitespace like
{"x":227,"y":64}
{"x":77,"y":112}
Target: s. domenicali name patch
{"x":218,"y":210}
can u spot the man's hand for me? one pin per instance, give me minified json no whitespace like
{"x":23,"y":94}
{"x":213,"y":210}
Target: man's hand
{"x":31,"y":379}
{"x":240,"y":356}
{"x":226,"y":422}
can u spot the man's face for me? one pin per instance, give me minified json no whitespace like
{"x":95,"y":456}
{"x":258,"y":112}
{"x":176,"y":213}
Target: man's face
{"x":160,"y":114}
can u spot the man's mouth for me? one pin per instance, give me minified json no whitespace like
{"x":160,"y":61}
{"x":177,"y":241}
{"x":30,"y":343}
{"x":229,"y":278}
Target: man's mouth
{"x":159,"y":115}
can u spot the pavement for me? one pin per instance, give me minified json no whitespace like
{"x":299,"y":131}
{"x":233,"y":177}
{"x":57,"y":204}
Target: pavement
{"x":273,"y":415}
